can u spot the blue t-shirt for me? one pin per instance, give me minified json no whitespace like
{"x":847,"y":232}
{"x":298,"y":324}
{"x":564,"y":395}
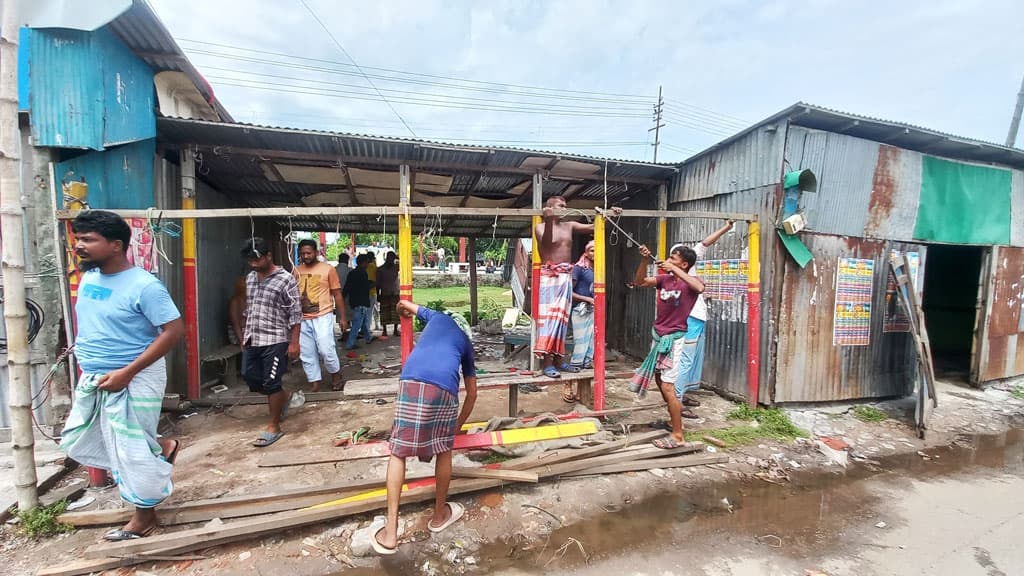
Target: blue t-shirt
{"x":119,"y":316}
{"x":443,"y":348}
{"x":583,"y":281}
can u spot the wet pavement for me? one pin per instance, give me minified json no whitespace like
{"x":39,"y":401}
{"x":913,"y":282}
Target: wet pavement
{"x":956,"y":511}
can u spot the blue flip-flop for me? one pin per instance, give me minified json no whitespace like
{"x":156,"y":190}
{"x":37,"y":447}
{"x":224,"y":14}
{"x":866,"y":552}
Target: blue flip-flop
{"x":566,"y":367}
{"x":552,"y":372}
{"x":267,"y":438}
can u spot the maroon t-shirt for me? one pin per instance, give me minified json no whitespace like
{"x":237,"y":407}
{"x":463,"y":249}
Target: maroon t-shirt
{"x":675,"y":300}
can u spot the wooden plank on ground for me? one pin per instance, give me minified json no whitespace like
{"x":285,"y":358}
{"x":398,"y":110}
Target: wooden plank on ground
{"x":495,"y":473}
{"x":576,"y":415}
{"x":462,"y":442}
{"x":230,"y":507}
{"x":69,"y":493}
{"x":650,"y":464}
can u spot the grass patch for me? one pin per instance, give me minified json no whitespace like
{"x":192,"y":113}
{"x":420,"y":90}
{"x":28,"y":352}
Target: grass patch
{"x":457,"y":297}
{"x":772,"y":424}
{"x":41,"y":522}
{"x":496,"y":458}
{"x":869,"y":414}
{"x":1017,"y":391}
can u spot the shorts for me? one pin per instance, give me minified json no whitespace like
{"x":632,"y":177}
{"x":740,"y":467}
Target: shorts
{"x":263,"y":367}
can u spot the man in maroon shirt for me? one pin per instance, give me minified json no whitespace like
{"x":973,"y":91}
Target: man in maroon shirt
{"x":677,"y":293}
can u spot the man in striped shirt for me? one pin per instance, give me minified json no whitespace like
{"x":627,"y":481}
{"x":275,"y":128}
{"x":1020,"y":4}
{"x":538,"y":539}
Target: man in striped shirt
{"x":273,"y":316}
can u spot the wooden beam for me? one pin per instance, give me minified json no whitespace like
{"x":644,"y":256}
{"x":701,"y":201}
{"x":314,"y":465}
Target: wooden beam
{"x":273,"y":170}
{"x":479,"y":177}
{"x":331,"y":159}
{"x":496,"y":474}
{"x":637,"y":466}
{"x":473,"y":318}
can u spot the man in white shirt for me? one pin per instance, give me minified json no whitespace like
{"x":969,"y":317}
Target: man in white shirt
{"x":691,"y":362}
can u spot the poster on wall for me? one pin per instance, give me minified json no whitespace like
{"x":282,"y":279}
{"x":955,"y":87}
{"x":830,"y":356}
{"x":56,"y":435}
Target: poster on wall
{"x":142,"y":252}
{"x":895,"y":318}
{"x":852,"y":322}
{"x":724,"y":280}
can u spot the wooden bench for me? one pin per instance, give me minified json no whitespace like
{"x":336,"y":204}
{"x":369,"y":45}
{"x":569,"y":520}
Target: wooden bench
{"x":226,"y":356}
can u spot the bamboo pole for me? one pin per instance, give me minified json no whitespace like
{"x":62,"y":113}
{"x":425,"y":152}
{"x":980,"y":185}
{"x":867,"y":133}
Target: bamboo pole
{"x":15,"y":311}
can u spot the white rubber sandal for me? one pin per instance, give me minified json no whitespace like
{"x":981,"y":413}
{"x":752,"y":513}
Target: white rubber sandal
{"x":380,"y":548}
{"x":457,"y":511}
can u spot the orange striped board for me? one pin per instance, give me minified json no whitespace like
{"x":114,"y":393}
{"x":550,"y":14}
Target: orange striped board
{"x":462,"y":442}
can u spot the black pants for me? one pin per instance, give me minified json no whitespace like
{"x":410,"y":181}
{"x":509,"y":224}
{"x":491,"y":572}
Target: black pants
{"x":263,"y":367}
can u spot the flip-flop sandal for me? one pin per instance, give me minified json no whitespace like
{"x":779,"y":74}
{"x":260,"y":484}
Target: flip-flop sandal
{"x":170,"y":458}
{"x":569,"y":368}
{"x":380,"y":548}
{"x":457,"y":511}
{"x":266,"y":439}
{"x":339,"y":387}
{"x":665,"y":443}
{"x":690,"y":414}
{"x":691,"y":402}
{"x":122,"y":535}
{"x":552,"y":372}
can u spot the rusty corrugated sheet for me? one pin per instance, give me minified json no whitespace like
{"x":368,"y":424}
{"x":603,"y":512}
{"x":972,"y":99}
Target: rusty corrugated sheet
{"x":630,"y":312}
{"x":725,"y":360}
{"x":751,"y":161}
{"x":1005,"y":329}
{"x":809,"y":367}
{"x":167,"y":195}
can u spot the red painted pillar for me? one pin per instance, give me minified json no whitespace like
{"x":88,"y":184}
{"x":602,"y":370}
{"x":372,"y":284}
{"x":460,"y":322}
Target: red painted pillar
{"x":323,"y":244}
{"x":462,"y":249}
{"x":421,"y":249}
{"x":599,"y":312}
{"x":754,"y":314}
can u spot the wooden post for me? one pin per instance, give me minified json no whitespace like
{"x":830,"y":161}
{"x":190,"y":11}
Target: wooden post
{"x":538,"y":201}
{"x":473,"y":318}
{"x":462,"y":249}
{"x":405,"y":255}
{"x":188,"y":240}
{"x":599,"y":312}
{"x":754,"y":315}
{"x":19,"y":378}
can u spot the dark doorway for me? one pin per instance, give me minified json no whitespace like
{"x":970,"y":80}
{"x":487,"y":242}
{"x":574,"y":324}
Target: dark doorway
{"x":951,"y":277}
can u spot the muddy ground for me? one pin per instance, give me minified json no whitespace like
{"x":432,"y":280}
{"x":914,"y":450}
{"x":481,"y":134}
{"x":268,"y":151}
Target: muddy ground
{"x":520,"y":529}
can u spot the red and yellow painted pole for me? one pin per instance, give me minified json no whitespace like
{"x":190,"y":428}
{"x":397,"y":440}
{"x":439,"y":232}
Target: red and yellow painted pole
{"x":534,"y":288}
{"x":599,"y":312}
{"x":662,"y":238}
{"x":188,"y":237}
{"x":405,"y":258}
{"x":754,"y":315}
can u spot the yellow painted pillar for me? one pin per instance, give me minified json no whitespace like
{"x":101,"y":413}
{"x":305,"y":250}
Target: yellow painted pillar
{"x":754,"y":314}
{"x":599,"y":312}
{"x":405,"y":256}
{"x":662,"y":238}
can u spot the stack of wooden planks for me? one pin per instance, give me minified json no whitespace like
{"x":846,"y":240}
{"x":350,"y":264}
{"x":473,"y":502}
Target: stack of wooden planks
{"x":258,"y":515}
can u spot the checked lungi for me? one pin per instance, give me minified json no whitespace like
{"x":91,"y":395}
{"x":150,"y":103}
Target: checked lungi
{"x":425,"y":419}
{"x":553,"y":313}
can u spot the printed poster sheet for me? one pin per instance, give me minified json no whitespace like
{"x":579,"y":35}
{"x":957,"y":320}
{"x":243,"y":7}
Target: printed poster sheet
{"x":724,"y":280}
{"x":895,"y":318}
{"x":852,"y":322}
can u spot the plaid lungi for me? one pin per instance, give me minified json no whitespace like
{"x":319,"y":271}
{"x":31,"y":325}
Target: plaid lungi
{"x":425,"y":419}
{"x":388,"y":309}
{"x":553,"y":316}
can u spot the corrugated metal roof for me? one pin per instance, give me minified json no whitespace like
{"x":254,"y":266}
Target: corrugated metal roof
{"x":891,"y":132}
{"x":142,"y":31}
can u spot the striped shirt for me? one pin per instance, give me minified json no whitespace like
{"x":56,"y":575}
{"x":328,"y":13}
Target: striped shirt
{"x":272,"y":307}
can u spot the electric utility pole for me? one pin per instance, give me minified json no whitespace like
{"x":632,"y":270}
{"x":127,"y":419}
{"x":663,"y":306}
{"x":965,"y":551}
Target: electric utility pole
{"x":1011,"y":138}
{"x":658,"y":109}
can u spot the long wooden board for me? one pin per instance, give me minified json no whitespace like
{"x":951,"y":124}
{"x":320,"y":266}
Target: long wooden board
{"x":636,"y":466}
{"x":462,"y":442}
{"x":576,"y":415}
{"x":495,"y":473}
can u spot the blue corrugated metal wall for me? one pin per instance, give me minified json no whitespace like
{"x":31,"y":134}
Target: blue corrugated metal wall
{"x":86,"y":90}
{"x":121,"y":177}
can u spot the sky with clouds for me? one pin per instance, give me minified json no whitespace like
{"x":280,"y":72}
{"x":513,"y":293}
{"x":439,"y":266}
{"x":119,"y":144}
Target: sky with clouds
{"x":583,"y":75}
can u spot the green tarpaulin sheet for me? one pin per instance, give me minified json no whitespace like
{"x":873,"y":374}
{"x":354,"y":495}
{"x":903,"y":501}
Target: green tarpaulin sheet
{"x":963,"y":203}
{"x":796,"y":248}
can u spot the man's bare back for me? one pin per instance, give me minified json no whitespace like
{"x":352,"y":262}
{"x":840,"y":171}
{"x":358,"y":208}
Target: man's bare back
{"x":554,"y":237}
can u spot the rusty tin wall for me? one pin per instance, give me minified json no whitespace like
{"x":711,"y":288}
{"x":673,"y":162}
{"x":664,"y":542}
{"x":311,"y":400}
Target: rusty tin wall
{"x":630,"y":313}
{"x":867,"y":189}
{"x":725,"y":359}
{"x":1004,"y":350}
{"x":167,"y":194}
{"x":809,"y":368}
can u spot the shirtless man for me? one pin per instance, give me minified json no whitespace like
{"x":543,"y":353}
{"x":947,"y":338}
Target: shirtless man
{"x":554,"y":239}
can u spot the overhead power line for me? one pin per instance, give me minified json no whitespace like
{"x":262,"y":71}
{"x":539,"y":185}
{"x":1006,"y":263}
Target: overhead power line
{"x":351,"y":59}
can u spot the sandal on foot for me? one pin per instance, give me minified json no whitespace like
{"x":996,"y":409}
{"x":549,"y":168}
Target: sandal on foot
{"x":667,"y":443}
{"x":552,"y":372}
{"x":266,"y":439}
{"x":457,"y":511}
{"x":565,"y":367}
{"x":170,"y":458}
{"x":380,"y":548}
{"x":690,"y":402}
{"x":121,"y":535}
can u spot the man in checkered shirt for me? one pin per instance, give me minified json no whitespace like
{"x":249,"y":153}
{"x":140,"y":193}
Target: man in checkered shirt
{"x":273,"y":317}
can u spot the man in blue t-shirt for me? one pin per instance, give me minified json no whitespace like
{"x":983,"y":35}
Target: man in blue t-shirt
{"x":127,"y":323}
{"x":427,"y":414}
